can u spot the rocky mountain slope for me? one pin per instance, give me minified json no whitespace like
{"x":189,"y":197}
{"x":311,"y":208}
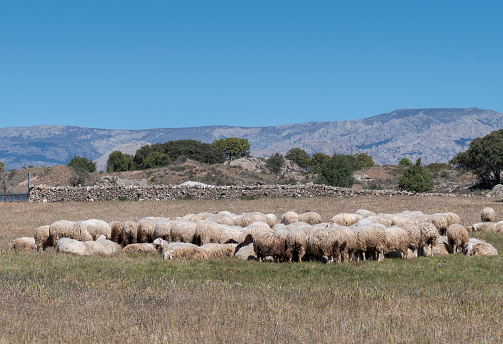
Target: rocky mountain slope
{"x":433,"y":134}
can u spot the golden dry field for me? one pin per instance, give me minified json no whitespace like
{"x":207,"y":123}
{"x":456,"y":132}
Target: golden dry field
{"x":135,"y":298}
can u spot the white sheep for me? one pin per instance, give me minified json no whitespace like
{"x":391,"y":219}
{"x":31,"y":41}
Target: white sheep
{"x":246,"y":252}
{"x":246,"y":219}
{"x":115,"y":230}
{"x":324,"y":244}
{"x":233,"y":235}
{"x":477,"y":247}
{"x":23,"y":244}
{"x":145,"y":229}
{"x":162,"y":229}
{"x":429,"y":236}
{"x":207,"y":231}
{"x":371,"y":240}
{"x":257,"y":227}
{"x":289,"y":217}
{"x":414,"y":236}
{"x":140,"y":248}
{"x":97,"y":228}
{"x":214,"y":250}
{"x":67,"y":229}
{"x":101,"y":246}
{"x":184,"y":251}
{"x":346,"y":219}
{"x":365,"y":212}
{"x":457,"y":236}
{"x":310,"y":217}
{"x":483,"y":227}
{"x":397,"y":239}
{"x":296,"y":244}
{"x":41,"y":237}
{"x":129,"y":233}
{"x":488,"y":215}
{"x":183,"y":231}
{"x":269,"y":244}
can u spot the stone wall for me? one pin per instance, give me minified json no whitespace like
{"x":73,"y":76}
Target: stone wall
{"x":171,"y":192}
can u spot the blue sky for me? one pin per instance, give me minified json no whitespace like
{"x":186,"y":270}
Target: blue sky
{"x":168,"y":64}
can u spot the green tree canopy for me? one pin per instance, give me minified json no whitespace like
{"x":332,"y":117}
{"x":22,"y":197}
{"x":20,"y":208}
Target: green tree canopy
{"x":484,"y":158}
{"x":364,"y":160}
{"x":118,"y":162}
{"x":317,"y":161}
{"x":79,"y":162}
{"x":404,"y":162}
{"x":2,"y":167}
{"x":156,"y":160}
{"x":233,"y":147}
{"x":337,"y":171}
{"x":299,"y":156}
{"x":275,"y":163}
{"x":416,"y":178}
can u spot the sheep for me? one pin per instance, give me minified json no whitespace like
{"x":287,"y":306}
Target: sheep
{"x":207,"y":231}
{"x":488,"y":215}
{"x":101,"y":246}
{"x":200,"y":217}
{"x":381,"y":220}
{"x":477,"y":247}
{"x":214,"y":250}
{"x":129,"y":233}
{"x":397,"y":239}
{"x":371,"y":240}
{"x":483,"y":227}
{"x":257,"y":227}
{"x":429,"y":236}
{"x":310,"y":217}
{"x":145,"y":229}
{"x":41,"y":237}
{"x":452,"y":218}
{"x":269,"y":244}
{"x":289,"y":217}
{"x":324,"y":244}
{"x":439,"y":221}
{"x":457,"y":236}
{"x":364,"y":212}
{"x":499,"y":226}
{"x":184,"y":251}
{"x":67,"y":229}
{"x":183,"y":231}
{"x":441,"y":247}
{"x":414,"y":236}
{"x":23,"y":244}
{"x":162,"y":229}
{"x":140,"y":248}
{"x":246,"y":253}
{"x":271,"y":219}
{"x":346,"y":219}
{"x":115,"y":230}
{"x":233,"y":235}
{"x":223,"y":219}
{"x":72,"y":246}
{"x":351,"y":243}
{"x":283,"y":226}
{"x":296,"y":244}
{"x":97,"y":228}
{"x":246,"y":219}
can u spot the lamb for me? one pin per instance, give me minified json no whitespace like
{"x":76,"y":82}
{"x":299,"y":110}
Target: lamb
{"x":97,"y":228}
{"x":214,"y":250}
{"x":371,"y":240}
{"x":488,"y":215}
{"x":183,"y":231}
{"x":296,"y":244}
{"x":429,"y":236}
{"x":41,"y":237}
{"x":310,"y":217}
{"x":23,"y":244}
{"x":289,"y":217}
{"x":441,"y":247}
{"x":457,"y":237}
{"x":140,"y":248}
{"x":184,"y":251}
{"x":346,"y":219}
{"x":129,"y":233}
{"x":483,"y":227}
{"x":269,"y":244}
{"x":162,"y":229}
{"x":115,"y":230}
{"x":476,"y":247}
{"x":397,"y":239}
{"x":67,"y":229}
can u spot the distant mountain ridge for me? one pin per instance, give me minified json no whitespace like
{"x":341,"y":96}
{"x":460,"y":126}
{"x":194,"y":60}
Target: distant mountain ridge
{"x":433,"y":134}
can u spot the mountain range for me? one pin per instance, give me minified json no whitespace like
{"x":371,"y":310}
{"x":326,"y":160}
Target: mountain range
{"x":434,"y":134}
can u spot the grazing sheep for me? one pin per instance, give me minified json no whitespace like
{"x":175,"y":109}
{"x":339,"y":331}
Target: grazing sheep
{"x":289,"y":217}
{"x":310,"y":217}
{"x":397,"y":239}
{"x":23,"y":244}
{"x":296,"y":244}
{"x":183,"y":231}
{"x":351,"y":243}
{"x":457,"y":236}
{"x":414,"y":236}
{"x":483,"y":227}
{"x":246,"y":252}
{"x":346,"y":219}
{"x":477,"y":247}
{"x":67,"y":229}
{"x":488,"y":215}
{"x":246,"y":219}
{"x":214,"y":250}
{"x":452,"y":218}
{"x":371,"y":241}
{"x":162,"y":229}
{"x":257,"y":227}
{"x":145,"y":229}
{"x":429,"y":236}
{"x":269,"y":244}
{"x":140,"y":248}
{"x":97,"y":228}
{"x":441,"y":247}
{"x":115,"y":230}
{"x":223,"y":219}
{"x":184,"y":251}
{"x":324,"y":244}
{"x":439,"y":221}
{"x":387,"y":222}
{"x":200,"y":217}
{"x":271,"y":219}
{"x":282,"y":226}
{"x":233,"y":235}
{"x":129,"y":233}
{"x":365,"y":212}
{"x":41,"y":237}
{"x":207,"y":231}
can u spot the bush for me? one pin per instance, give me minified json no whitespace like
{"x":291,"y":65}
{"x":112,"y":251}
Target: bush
{"x":337,"y":171}
{"x":2,"y":167}
{"x":364,"y":161}
{"x":233,"y":147}
{"x":416,"y":178}
{"x":299,"y":156}
{"x":275,"y":163}
{"x":404,"y":162}
{"x":79,"y":162}
{"x":156,"y":160}
{"x":118,"y":162}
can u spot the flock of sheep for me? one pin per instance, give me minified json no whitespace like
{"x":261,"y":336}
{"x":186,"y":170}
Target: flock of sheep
{"x":361,"y":235}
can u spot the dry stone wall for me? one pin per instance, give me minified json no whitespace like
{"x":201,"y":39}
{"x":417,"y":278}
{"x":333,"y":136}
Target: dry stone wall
{"x":171,"y":192}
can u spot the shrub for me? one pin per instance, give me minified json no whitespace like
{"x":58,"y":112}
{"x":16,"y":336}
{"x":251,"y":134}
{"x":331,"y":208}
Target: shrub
{"x":79,"y":162}
{"x":364,"y":160}
{"x":299,"y":156}
{"x":2,"y":167}
{"x":118,"y":162}
{"x":416,"y":178}
{"x":275,"y":163}
{"x":337,"y":171}
{"x":404,"y":162}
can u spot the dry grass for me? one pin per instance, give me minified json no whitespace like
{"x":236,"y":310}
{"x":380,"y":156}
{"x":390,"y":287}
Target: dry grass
{"x":135,"y":298}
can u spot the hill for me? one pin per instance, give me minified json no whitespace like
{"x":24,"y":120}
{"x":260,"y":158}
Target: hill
{"x":433,"y":134}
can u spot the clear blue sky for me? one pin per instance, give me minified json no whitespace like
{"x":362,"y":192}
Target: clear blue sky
{"x":166,"y":64}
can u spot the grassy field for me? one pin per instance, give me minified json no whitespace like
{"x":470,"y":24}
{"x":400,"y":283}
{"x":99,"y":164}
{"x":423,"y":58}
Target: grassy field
{"x":141,"y":299}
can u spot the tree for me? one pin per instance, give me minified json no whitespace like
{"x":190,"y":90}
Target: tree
{"x":337,"y":171}
{"x":2,"y":167}
{"x":484,"y":158}
{"x":156,"y":160}
{"x":79,"y":162}
{"x":317,"y":161}
{"x":233,"y":147}
{"x":404,"y":162}
{"x":299,"y":156}
{"x":416,"y":178}
{"x":118,"y":162}
{"x":364,"y":160}
{"x":275,"y":163}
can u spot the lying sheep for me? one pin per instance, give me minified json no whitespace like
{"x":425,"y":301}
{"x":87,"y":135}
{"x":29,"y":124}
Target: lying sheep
{"x":101,"y":246}
{"x":184,"y":251}
{"x":214,"y":250}
{"x":488,"y":215}
{"x":67,"y":229}
{"x":129,"y":233}
{"x":477,"y":247}
{"x":346,"y":219}
{"x":441,"y":247}
{"x":246,"y":252}
{"x":115,"y":230}
{"x":269,"y":244}
{"x":41,"y":237}
{"x":140,"y":248}
{"x":457,"y":236}
{"x":97,"y":228}
{"x":23,"y":244}
{"x":483,"y":227}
